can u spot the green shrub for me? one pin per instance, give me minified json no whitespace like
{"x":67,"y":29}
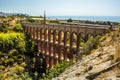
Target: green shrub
{"x":13,"y":40}
{"x":6,"y":62}
{"x":59,"y":68}
{"x":25,"y":76}
{"x":18,"y":28}
{"x":2,"y":67}
{"x":14,"y":45}
{"x":69,"y":20}
{"x":19,"y":69}
{"x":1,"y":54}
{"x":11,"y":61}
{"x":15,"y":57}
{"x":24,"y":64}
{"x":54,"y":21}
{"x":90,"y":44}
{"x":30,"y":20}
{"x":13,"y":53}
{"x":2,"y":76}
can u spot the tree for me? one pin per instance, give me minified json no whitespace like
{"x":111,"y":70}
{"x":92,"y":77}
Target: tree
{"x":18,"y":28}
{"x":69,"y":20}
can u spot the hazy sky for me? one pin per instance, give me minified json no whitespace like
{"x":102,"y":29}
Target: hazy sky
{"x":62,"y":7}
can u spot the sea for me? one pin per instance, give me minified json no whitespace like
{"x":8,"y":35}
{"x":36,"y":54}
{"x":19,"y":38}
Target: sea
{"x":92,"y":18}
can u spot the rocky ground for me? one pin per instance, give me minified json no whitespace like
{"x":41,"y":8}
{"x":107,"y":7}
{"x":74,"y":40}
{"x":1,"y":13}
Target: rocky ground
{"x":102,"y":64}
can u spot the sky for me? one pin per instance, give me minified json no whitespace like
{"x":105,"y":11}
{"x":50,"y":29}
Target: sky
{"x":62,"y":7}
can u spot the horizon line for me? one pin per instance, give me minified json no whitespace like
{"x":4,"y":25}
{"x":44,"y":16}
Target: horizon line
{"x":56,"y":15}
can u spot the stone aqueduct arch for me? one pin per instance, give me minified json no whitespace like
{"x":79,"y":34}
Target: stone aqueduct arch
{"x":51,"y":43}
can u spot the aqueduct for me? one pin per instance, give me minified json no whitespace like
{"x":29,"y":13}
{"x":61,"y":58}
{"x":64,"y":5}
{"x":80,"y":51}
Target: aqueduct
{"x":61,"y":42}
{"x":58,"y":42}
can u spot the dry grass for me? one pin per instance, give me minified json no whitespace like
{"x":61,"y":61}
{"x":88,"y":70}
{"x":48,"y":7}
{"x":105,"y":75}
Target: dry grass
{"x":83,"y":56}
{"x":117,"y":71}
{"x":117,"y":54}
{"x":103,"y":75}
{"x":92,"y":51}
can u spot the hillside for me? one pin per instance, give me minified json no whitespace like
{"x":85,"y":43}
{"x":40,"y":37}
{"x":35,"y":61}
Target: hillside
{"x":102,"y":64}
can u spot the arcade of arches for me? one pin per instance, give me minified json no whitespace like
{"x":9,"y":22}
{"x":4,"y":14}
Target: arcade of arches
{"x":58,"y":42}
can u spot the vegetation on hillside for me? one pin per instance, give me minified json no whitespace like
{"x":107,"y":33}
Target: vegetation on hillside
{"x":10,"y":41}
{"x":20,"y":58}
{"x":12,"y":50}
{"x":89,"y":45}
{"x":55,"y":71}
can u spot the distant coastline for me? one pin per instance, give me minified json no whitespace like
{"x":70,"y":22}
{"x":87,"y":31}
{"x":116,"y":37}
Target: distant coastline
{"x":92,"y":18}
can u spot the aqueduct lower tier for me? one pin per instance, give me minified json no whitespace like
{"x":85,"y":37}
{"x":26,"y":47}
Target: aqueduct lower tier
{"x":58,"y":42}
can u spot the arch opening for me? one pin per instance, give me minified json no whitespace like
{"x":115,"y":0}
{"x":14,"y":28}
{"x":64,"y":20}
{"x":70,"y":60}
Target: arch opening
{"x":68,"y":38}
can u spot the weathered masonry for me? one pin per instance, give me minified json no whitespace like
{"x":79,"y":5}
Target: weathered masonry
{"x":58,"y":42}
